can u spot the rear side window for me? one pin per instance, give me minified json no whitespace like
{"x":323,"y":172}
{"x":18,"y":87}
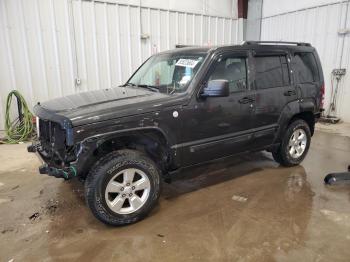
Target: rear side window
{"x":305,"y":68}
{"x":271,"y":71}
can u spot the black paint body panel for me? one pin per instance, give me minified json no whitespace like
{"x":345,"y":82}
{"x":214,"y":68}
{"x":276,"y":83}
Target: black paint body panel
{"x":194,"y":129}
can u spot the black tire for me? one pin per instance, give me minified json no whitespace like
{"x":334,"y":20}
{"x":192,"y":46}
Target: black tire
{"x":282,"y":155}
{"x":104,"y":170}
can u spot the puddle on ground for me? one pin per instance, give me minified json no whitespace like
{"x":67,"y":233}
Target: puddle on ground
{"x":243,"y":209}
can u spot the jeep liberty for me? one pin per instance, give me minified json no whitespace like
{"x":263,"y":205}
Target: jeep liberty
{"x":180,"y":108}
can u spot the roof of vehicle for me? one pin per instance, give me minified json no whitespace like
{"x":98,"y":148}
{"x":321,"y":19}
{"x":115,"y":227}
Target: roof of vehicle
{"x":263,"y":45}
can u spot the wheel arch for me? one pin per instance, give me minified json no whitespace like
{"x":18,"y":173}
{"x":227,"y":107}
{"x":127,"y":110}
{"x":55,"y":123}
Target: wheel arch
{"x":291,"y":112}
{"x":151,"y":141}
{"x":308,"y":117}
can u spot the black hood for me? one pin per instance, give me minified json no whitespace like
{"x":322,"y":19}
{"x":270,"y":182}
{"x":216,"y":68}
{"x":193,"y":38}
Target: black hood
{"x":87,"y":107}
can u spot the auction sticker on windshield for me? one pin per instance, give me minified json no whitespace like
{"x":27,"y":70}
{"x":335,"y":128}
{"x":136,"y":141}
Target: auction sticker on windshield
{"x":187,"y":62}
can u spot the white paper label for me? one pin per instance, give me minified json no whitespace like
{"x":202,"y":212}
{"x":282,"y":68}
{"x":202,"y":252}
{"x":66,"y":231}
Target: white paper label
{"x":187,"y":62}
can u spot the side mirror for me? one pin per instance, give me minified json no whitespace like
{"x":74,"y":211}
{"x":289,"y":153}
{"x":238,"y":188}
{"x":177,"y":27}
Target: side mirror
{"x":216,"y":88}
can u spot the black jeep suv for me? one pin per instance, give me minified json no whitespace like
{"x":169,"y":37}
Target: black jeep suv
{"x":181,"y":108}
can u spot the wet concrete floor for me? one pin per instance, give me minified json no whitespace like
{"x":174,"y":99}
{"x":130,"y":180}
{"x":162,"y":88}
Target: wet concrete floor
{"x":243,"y":209}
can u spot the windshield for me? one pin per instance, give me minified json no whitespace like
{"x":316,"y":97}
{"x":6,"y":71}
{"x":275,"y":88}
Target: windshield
{"x":167,"y":73}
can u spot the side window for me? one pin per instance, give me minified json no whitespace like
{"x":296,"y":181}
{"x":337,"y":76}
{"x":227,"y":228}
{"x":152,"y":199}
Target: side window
{"x":305,"y":68}
{"x":271,"y":71}
{"x":232,"y":69}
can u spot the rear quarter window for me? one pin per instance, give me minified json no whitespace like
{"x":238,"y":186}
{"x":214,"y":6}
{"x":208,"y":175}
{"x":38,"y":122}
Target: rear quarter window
{"x":305,"y":68}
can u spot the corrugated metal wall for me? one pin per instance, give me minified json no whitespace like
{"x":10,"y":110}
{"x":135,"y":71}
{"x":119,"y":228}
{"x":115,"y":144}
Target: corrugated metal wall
{"x":320,"y":26}
{"x":51,"y":48}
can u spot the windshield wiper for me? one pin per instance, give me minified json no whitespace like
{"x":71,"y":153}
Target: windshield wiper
{"x":129,"y":84}
{"x":149,"y":87}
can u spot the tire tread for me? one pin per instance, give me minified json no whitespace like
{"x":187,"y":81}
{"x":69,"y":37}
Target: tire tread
{"x":125,"y":156}
{"x":281,"y":156}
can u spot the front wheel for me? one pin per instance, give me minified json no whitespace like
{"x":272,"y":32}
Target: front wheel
{"x":295,"y":144}
{"x":123,"y":187}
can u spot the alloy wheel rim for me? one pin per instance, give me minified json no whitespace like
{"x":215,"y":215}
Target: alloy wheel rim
{"x":297,"y":143}
{"x":127,"y":191}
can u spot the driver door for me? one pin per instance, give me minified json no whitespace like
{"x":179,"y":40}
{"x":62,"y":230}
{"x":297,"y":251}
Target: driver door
{"x":220,"y":126}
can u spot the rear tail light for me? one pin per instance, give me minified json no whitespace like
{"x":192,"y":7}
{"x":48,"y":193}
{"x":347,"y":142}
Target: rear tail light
{"x":323,"y":90}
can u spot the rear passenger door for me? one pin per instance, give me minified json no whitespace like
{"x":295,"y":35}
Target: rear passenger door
{"x":274,"y":91}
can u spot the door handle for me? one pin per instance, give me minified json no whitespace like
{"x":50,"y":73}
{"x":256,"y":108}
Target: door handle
{"x":290,"y":93}
{"x":245,"y":100}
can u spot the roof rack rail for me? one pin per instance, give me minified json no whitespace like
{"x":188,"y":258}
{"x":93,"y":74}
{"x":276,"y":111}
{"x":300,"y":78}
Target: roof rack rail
{"x":183,"y":46}
{"x":275,"y":42}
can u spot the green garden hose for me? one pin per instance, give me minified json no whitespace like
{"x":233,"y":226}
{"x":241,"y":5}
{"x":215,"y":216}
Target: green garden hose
{"x":21,"y":128}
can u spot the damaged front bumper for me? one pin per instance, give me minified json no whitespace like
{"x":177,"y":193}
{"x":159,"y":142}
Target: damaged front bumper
{"x":65,"y":172}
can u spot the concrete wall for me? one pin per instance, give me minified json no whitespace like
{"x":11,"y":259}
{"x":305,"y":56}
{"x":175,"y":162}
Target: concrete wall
{"x":52,"y":48}
{"x":253,"y":29}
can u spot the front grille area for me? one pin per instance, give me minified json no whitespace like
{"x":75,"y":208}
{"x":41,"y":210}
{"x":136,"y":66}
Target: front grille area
{"x":51,"y":136}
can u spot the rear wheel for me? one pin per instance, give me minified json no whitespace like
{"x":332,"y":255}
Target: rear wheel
{"x":122,"y":187}
{"x":295,"y":144}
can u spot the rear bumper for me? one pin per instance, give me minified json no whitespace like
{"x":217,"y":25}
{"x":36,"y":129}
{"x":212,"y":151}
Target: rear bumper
{"x":47,"y":168}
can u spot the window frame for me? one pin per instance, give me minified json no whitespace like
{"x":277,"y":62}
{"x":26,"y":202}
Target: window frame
{"x":288,"y":69}
{"x":226,"y":55}
{"x":188,"y":89}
